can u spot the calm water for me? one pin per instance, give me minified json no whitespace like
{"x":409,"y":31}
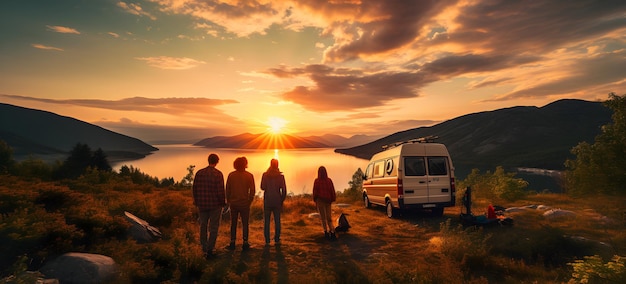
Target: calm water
{"x":299,"y":165}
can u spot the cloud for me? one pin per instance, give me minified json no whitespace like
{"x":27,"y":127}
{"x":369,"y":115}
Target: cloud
{"x":45,"y":47}
{"x":171,"y":106}
{"x":115,"y":35}
{"x":241,"y":18}
{"x":337,"y":89}
{"x":135,"y":9}
{"x":171,"y":63}
{"x":157,"y":134}
{"x":602,"y":70}
{"x":63,"y":30}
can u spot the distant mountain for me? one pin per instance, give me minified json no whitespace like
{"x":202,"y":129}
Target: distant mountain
{"x":259,"y":141}
{"x":511,"y":137}
{"x":38,"y":133}
{"x":334,"y":140}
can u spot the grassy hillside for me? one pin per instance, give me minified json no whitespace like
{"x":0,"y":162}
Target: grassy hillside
{"x":512,"y":137}
{"x":36,"y":132}
{"x":41,"y":220}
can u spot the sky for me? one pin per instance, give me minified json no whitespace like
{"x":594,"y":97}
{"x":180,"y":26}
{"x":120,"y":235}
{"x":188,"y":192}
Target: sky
{"x":179,"y":69}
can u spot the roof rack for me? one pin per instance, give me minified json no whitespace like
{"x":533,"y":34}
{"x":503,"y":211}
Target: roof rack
{"x":427,"y":139}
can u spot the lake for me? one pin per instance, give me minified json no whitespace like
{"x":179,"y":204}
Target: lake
{"x":298,"y":165}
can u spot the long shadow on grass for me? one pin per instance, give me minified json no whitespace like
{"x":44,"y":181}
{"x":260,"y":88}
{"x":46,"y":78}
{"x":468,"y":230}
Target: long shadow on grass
{"x":341,"y":256}
{"x":265,"y":273}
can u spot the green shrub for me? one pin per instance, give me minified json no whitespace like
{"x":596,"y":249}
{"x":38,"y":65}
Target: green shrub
{"x":468,"y":246}
{"x":593,"y":270}
{"x":494,"y":186}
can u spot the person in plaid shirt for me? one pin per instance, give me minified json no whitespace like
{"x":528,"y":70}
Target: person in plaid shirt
{"x":209,"y":197}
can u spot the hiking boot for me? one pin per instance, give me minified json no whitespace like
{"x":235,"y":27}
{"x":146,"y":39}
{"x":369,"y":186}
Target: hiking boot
{"x":333,"y":236}
{"x":209,"y":255}
{"x":231,"y":246}
{"x":246,"y":246}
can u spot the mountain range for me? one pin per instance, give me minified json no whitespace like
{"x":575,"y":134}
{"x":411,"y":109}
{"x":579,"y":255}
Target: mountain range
{"x":39,"y":133}
{"x":283,"y":141}
{"x":523,"y":136}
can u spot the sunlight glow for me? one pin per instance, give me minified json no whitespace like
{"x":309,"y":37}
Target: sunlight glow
{"x":276,"y":124}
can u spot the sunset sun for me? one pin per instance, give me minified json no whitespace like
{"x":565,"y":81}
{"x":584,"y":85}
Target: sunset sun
{"x":276,"y":124}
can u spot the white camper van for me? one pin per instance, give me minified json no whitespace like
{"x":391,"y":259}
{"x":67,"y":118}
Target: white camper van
{"x":415,"y":174}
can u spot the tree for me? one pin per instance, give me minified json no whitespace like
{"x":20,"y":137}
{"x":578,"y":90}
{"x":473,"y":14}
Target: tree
{"x":356,"y":185}
{"x":187,"y":181}
{"x":600,"y":167}
{"x":99,"y":161}
{"x":6,"y":157}
{"x":496,"y":185}
{"x":80,"y":159}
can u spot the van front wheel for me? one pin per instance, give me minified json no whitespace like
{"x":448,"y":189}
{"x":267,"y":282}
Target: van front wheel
{"x":390,"y":210}
{"x":366,"y":201}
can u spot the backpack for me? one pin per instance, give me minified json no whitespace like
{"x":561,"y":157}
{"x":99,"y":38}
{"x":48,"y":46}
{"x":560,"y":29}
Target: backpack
{"x":342,"y":223}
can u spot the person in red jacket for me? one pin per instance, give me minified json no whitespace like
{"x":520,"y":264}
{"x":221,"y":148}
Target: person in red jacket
{"x":324,"y":195}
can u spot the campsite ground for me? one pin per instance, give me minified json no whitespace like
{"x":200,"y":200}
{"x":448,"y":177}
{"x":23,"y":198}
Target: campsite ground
{"x":419,"y":248}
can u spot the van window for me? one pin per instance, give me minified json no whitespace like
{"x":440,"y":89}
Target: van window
{"x":368,"y":171}
{"x":437,"y":166}
{"x":414,"y":166}
{"x":379,"y":169}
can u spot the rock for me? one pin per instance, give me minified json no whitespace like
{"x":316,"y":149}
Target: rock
{"x":314,"y":215}
{"x":543,"y":207}
{"x":141,"y":231}
{"x":558,"y":213}
{"x":516,"y":209}
{"x":80,"y":268}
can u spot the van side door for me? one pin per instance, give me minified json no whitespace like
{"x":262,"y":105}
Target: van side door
{"x":438,"y":179}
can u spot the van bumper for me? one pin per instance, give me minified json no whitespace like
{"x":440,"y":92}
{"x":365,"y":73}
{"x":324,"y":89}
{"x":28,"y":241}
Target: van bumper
{"x":403,"y":206}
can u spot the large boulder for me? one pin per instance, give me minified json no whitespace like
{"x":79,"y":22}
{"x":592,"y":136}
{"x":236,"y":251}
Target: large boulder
{"x":141,"y":231}
{"x":78,"y":268}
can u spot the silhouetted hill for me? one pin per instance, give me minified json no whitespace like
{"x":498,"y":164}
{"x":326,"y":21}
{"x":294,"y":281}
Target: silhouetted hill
{"x":334,"y":140}
{"x":41,"y":133}
{"x":259,"y":141}
{"x":511,"y":137}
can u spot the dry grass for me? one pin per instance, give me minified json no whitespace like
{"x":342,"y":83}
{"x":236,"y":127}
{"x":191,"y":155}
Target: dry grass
{"x":416,"y":248}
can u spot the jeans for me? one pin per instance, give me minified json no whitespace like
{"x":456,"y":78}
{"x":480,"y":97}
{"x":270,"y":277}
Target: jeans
{"x":235,"y":212}
{"x":209,"y":218}
{"x":323,"y":207}
{"x":267,"y":212}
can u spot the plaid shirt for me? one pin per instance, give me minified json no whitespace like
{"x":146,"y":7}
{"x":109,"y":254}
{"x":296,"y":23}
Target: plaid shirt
{"x":208,"y":189}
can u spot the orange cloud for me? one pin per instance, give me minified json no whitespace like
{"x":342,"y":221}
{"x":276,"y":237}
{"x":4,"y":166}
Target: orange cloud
{"x":63,"y":30}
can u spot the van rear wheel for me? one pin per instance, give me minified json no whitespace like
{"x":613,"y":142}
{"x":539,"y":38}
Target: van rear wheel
{"x":366,"y":201}
{"x":391,"y":212}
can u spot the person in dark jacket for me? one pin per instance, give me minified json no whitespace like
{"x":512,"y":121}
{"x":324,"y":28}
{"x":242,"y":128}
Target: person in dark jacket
{"x":274,"y":194}
{"x":209,"y":199}
{"x":324,"y":195}
{"x":239,"y":195}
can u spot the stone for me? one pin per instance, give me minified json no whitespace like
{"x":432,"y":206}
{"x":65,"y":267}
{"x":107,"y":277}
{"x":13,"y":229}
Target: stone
{"x":141,"y":231}
{"x":78,"y":268}
{"x":559,"y":213}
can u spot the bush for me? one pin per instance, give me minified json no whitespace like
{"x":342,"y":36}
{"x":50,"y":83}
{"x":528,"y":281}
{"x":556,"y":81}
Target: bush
{"x":496,"y":185}
{"x":593,"y":270}
{"x":468,"y":246}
